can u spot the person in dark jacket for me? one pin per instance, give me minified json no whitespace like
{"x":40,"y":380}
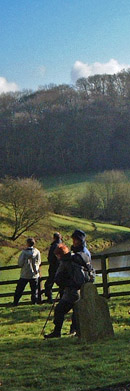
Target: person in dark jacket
{"x":79,"y":243}
{"x":53,"y":266}
{"x":78,"y":247}
{"x":64,"y":278}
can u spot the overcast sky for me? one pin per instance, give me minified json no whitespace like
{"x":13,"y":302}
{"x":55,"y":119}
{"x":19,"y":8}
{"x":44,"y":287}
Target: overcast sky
{"x":58,"y":41}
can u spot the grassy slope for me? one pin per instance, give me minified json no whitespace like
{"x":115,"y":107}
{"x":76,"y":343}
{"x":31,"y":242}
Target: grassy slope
{"x":60,"y":364}
{"x":67,"y":181}
{"x":76,"y":180}
{"x":99,"y":236}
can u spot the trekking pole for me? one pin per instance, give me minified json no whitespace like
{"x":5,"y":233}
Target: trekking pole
{"x":48,"y":317}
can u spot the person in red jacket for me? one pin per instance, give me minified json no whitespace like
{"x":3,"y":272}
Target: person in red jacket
{"x":72,"y":272}
{"x":53,"y":266}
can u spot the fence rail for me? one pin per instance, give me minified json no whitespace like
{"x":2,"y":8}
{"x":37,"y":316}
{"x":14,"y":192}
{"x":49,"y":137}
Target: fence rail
{"x":105,"y":272}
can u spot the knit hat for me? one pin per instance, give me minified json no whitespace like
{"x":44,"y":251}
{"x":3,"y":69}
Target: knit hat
{"x":79,"y":234}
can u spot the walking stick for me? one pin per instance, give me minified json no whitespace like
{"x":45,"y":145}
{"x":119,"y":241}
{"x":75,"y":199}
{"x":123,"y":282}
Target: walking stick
{"x":52,"y":307}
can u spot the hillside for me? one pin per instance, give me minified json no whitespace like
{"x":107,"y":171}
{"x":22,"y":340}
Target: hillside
{"x":99,"y":236}
{"x":67,"y":129}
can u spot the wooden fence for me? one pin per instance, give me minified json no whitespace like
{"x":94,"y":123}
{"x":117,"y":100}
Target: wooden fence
{"x":105,"y":272}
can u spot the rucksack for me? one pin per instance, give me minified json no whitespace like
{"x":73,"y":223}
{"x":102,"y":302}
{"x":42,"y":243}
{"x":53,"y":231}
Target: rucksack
{"x":81,"y":274}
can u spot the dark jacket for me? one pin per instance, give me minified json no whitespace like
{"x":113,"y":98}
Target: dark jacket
{"x":81,"y":248}
{"x":64,"y":275}
{"x":51,"y":256}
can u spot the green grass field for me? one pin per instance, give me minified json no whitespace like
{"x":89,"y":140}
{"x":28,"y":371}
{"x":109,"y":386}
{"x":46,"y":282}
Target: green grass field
{"x":71,"y":181}
{"x":28,"y":362}
{"x":66,"y":181}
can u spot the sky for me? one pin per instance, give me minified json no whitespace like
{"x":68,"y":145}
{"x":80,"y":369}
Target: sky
{"x":59,"y":41}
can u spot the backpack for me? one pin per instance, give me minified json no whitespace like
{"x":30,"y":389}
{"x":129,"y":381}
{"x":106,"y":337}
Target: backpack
{"x":81,"y":274}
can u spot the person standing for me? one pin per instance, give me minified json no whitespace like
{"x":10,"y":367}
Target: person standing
{"x":70,"y":293}
{"x":53,"y":266}
{"x":78,"y":247}
{"x":79,"y":243}
{"x":29,"y":261}
{"x":73,"y":271}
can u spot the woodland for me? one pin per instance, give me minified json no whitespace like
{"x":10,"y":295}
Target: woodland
{"x":66,"y":128}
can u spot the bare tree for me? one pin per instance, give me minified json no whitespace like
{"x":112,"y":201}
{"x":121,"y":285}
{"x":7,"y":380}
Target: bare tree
{"x":25,"y":202}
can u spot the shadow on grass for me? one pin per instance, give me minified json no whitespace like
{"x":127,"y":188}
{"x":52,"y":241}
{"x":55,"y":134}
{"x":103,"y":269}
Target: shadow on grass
{"x":115,"y":387}
{"x":61,"y":364}
{"x":27,"y":314}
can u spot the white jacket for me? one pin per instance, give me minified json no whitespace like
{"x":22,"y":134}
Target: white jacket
{"x":29,"y":261}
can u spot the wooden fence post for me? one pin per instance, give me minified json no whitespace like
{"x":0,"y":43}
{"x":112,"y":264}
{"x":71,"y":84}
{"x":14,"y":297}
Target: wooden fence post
{"x":105,"y":277}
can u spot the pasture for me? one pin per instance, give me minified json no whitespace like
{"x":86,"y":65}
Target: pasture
{"x":28,"y":362}
{"x":72,"y":181}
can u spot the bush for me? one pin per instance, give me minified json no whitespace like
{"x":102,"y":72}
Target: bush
{"x":91,"y":204}
{"x":107,"y":199}
{"x":59,"y":202}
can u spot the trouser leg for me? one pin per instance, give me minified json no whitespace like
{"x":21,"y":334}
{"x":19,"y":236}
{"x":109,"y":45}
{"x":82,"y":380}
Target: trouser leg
{"x":50,"y":281}
{"x":39,"y":290}
{"x":73,"y":326}
{"x":48,"y":288}
{"x":19,"y":289}
{"x":34,"y":290}
{"x":62,"y":308}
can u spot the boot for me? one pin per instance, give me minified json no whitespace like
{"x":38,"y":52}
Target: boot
{"x":54,"y":334}
{"x":72,"y":330}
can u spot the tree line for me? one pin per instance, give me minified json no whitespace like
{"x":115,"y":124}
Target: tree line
{"x":106,"y":198}
{"x":66,"y":128}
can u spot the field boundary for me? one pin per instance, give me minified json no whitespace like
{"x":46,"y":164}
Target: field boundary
{"x":105,"y":272}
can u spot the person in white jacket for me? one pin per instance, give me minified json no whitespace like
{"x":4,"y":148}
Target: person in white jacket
{"x":29,"y":261}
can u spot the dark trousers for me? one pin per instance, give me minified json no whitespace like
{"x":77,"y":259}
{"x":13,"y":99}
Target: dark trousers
{"x":62,"y":308}
{"x":21,"y":286}
{"x":50,"y":280}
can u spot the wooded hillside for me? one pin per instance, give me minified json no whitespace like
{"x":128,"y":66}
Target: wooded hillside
{"x":64,"y":129}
